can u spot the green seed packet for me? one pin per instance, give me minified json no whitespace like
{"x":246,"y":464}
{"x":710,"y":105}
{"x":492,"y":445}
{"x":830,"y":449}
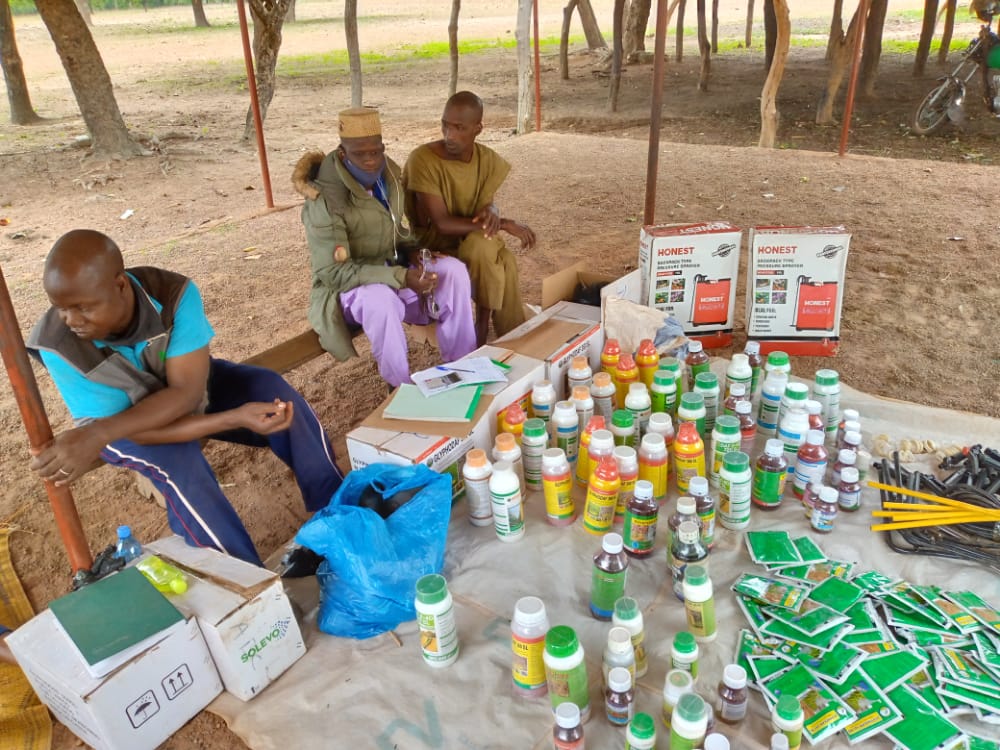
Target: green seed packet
{"x":771,"y":591}
{"x":772,"y":548}
{"x":808,"y":550}
{"x":978,"y":608}
{"x":970,"y":697}
{"x":815,"y":572}
{"x":874,"y":711}
{"x":989,"y":656}
{"x":747,"y":646}
{"x":763,"y":667}
{"x":813,"y":618}
{"x":961,"y":669}
{"x":982,"y":743}
{"x":893,"y":668}
{"x":904,"y":600}
{"x":823,"y":641}
{"x":873,"y":581}
{"x":958,"y":616}
{"x":986,"y":717}
{"x":912,"y":619}
{"x":754,"y":612}
{"x":825,"y":712}
{"x":833,"y":666}
{"x":874,"y":647}
{"x":837,"y":594}
{"x":926,"y":638}
{"x":924,"y":684}
{"x":922,"y":728}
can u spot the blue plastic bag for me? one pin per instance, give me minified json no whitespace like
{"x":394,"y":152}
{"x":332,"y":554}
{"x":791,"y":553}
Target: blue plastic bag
{"x":369,"y":575}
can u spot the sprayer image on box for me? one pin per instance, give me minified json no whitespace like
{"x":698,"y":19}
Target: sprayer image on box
{"x":815,"y":304}
{"x":710,"y":305}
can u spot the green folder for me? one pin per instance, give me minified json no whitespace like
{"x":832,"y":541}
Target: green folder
{"x":109,"y":616}
{"x":456,"y":405}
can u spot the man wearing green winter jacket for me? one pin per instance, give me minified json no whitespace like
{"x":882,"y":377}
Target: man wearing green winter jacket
{"x":355,"y":227}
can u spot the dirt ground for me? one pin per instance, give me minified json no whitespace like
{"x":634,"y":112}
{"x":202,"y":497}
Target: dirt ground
{"x":922,"y":298}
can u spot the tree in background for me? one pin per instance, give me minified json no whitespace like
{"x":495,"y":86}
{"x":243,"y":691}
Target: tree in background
{"x":88,"y":78}
{"x":268,"y":18}
{"x":21,"y":111}
{"x":200,"y":19}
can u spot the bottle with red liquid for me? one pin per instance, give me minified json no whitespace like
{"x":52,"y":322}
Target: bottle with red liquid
{"x":697,"y":362}
{"x":748,"y":427}
{"x":810,"y":461}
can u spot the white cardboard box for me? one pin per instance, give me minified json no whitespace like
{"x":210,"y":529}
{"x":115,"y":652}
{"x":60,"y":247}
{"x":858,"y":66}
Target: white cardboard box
{"x":243,"y":612}
{"x":137,"y":706}
{"x":795,"y":288}
{"x":690,"y":271}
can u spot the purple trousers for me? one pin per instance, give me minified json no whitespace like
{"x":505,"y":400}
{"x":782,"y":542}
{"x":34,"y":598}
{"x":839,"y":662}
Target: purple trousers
{"x":381,"y":311}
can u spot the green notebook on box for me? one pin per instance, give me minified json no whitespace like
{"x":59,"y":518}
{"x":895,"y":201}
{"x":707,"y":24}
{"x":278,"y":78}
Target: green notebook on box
{"x":456,"y":405}
{"x":113,"y":615}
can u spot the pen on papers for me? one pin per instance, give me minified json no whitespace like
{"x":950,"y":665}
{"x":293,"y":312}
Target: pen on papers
{"x":453,"y":369}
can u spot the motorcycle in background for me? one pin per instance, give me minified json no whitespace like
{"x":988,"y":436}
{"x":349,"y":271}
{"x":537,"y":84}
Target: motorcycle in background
{"x":945,"y":102}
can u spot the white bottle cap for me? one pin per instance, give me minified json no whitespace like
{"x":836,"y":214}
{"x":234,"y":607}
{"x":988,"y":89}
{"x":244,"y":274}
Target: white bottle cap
{"x":737,"y":389}
{"x":619,"y":680}
{"x":734,"y":676}
{"x":653,"y":441}
{"x":698,"y":486}
{"x":639,"y":388}
{"x":501,"y":466}
{"x":678,"y":682}
{"x":687,"y":505}
{"x":566,"y":409}
{"x":828,"y":495}
{"x":602,"y":440}
{"x":529,"y":610}
{"x":847,"y":456}
{"x":716,"y":741}
{"x":619,"y":640}
{"x":852,"y":425}
{"x":814,"y":407}
{"x":741,"y":359}
{"x":552,"y":457}
{"x":774,"y":447}
{"x":851,"y":415}
{"x":849,"y":474}
{"x":568,"y":715}
{"x":643,"y":489}
{"x":852,"y":437}
{"x":779,"y":740}
{"x":743,"y":407}
{"x":695,"y":346}
{"x":613,"y":544}
{"x":660,"y":421}
{"x":814,"y":437}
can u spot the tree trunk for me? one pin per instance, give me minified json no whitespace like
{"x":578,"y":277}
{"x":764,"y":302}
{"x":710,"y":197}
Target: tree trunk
{"x":456,"y":6}
{"x":21,"y":111}
{"x":616,"y":55}
{"x":770,"y":33}
{"x":88,"y":78}
{"x":564,"y":40}
{"x":595,"y":39}
{"x":85,"y":12}
{"x":636,"y":20}
{"x":840,"y":57}
{"x":949,"y":30}
{"x":679,"y":41}
{"x":715,"y":27}
{"x":200,"y":20}
{"x":769,"y":94}
{"x":522,"y":33}
{"x":704,"y":48}
{"x":836,"y":28}
{"x":926,"y":35}
{"x":749,"y":31}
{"x":268,"y":18}
{"x":873,"y":46}
{"x":290,"y":16}
{"x":353,"y":49}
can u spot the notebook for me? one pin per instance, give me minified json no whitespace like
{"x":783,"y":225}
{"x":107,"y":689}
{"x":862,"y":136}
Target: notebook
{"x":456,"y":405}
{"x":114,"y":619}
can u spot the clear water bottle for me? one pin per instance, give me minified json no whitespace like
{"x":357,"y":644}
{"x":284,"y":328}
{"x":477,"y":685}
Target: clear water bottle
{"x":128,"y":549}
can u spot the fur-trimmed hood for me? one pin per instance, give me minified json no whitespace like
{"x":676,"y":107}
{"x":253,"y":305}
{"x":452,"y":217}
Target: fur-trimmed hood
{"x":305,"y":172}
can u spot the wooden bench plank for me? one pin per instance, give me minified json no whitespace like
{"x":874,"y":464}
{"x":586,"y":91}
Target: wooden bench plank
{"x":289,"y":354}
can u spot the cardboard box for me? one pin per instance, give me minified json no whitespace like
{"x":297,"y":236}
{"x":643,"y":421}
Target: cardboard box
{"x":795,"y":288}
{"x":557,"y":335}
{"x":690,"y":271}
{"x":243,"y":612}
{"x":139,"y":705}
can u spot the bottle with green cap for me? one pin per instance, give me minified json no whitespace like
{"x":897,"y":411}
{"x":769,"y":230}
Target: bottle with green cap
{"x":778,"y":361}
{"x":641,"y":733}
{"x":725,"y":438}
{"x":623,"y":427}
{"x":684,"y":653}
{"x":663,"y":393}
{"x":735,"y":487}
{"x":673,"y":366}
{"x":436,"y":620}
{"x":794,"y":397}
{"x":707,"y":384}
{"x":628,"y":615}
{"x":534,"y":442}
{"x":692,"y":409}
{"x":689,"y":723}
{"x":699,"y":603}
{"x":827,"y":392}
{"x":787,"y":718}
{"x":566,"y":670}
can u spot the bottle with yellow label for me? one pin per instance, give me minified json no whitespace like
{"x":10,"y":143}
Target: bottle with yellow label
{"x":689,"y":455}
{"x":527,"y":642}
{"x":583,"y":457}
{"x":647,"y":360}
{"x":602,"y":496}
{"x":626,"y":373}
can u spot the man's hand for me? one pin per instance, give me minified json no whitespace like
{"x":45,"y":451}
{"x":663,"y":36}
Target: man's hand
{"x":489,"y":219}
{"x":263,"y":417}
{"x":70,"y":455}
{"x":521,"y":231}
{"x":420,"y":282}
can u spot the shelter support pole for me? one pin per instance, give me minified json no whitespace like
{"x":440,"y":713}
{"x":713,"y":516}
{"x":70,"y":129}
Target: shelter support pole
{"x":258,"y":125}
{"x":29,"y":401}
{"x":656,"y":111}
{"x":538,"y":73}
{"x":852,"y":85}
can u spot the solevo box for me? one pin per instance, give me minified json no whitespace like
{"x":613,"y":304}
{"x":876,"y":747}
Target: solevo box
{"x":795,"y":288}
{"x":139,"y":705}
{"x":243,"y":612}
{"x":689,"y":271}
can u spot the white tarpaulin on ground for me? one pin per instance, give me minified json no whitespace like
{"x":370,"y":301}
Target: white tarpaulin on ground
{"x":375,"y":694}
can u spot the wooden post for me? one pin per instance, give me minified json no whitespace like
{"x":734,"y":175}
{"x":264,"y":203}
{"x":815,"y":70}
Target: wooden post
{"x":852,"y":86}
{"x":456,"y":6}
{"x":769,"y":94}
{"x":258,"y":125}
{"x":949,"y":30}
{"x":353,"y":50}
{"x":704,"y":48}
{"x":616,"y":54}
{"x":564,"y":40}
{"x":538,"y":70}
{"x":749,"y":31}
{"x":926,"y":35}
{"x":656,"y":112}
{"x":522,"y":33}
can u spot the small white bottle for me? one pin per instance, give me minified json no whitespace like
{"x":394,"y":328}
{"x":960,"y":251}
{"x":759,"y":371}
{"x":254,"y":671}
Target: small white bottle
{"x":684,"y":654}
{"x":477,"y":472}
{"x":436,"y":619}
{"x":603,"y":393}
{"x":566,"y":429}
{"x":699,"y":604}
{"x":505,"y":448}
{"x":583,"y":402}
{"x":543,"y":401}
{"x":739,"y":371}
{"x":579,"y":373}
{"x":619,"y":652}
{"x":716,"y":741}
{"x":527,"y":642}
{"x":637,"y":401}
{"x":770,"y":402}
{"x":508,"y":510}
{"x":628,"y":615}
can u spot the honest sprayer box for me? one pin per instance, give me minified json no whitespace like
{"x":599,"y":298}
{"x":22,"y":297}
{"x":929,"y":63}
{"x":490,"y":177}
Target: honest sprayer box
{"x":795,"y":288}
{"x":689,"y":271}
{"x":243,"y":611}
{"x":139,"y":705}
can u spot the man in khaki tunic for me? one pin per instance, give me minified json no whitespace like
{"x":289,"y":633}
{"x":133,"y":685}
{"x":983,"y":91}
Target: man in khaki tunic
{"x":450,"y":185}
